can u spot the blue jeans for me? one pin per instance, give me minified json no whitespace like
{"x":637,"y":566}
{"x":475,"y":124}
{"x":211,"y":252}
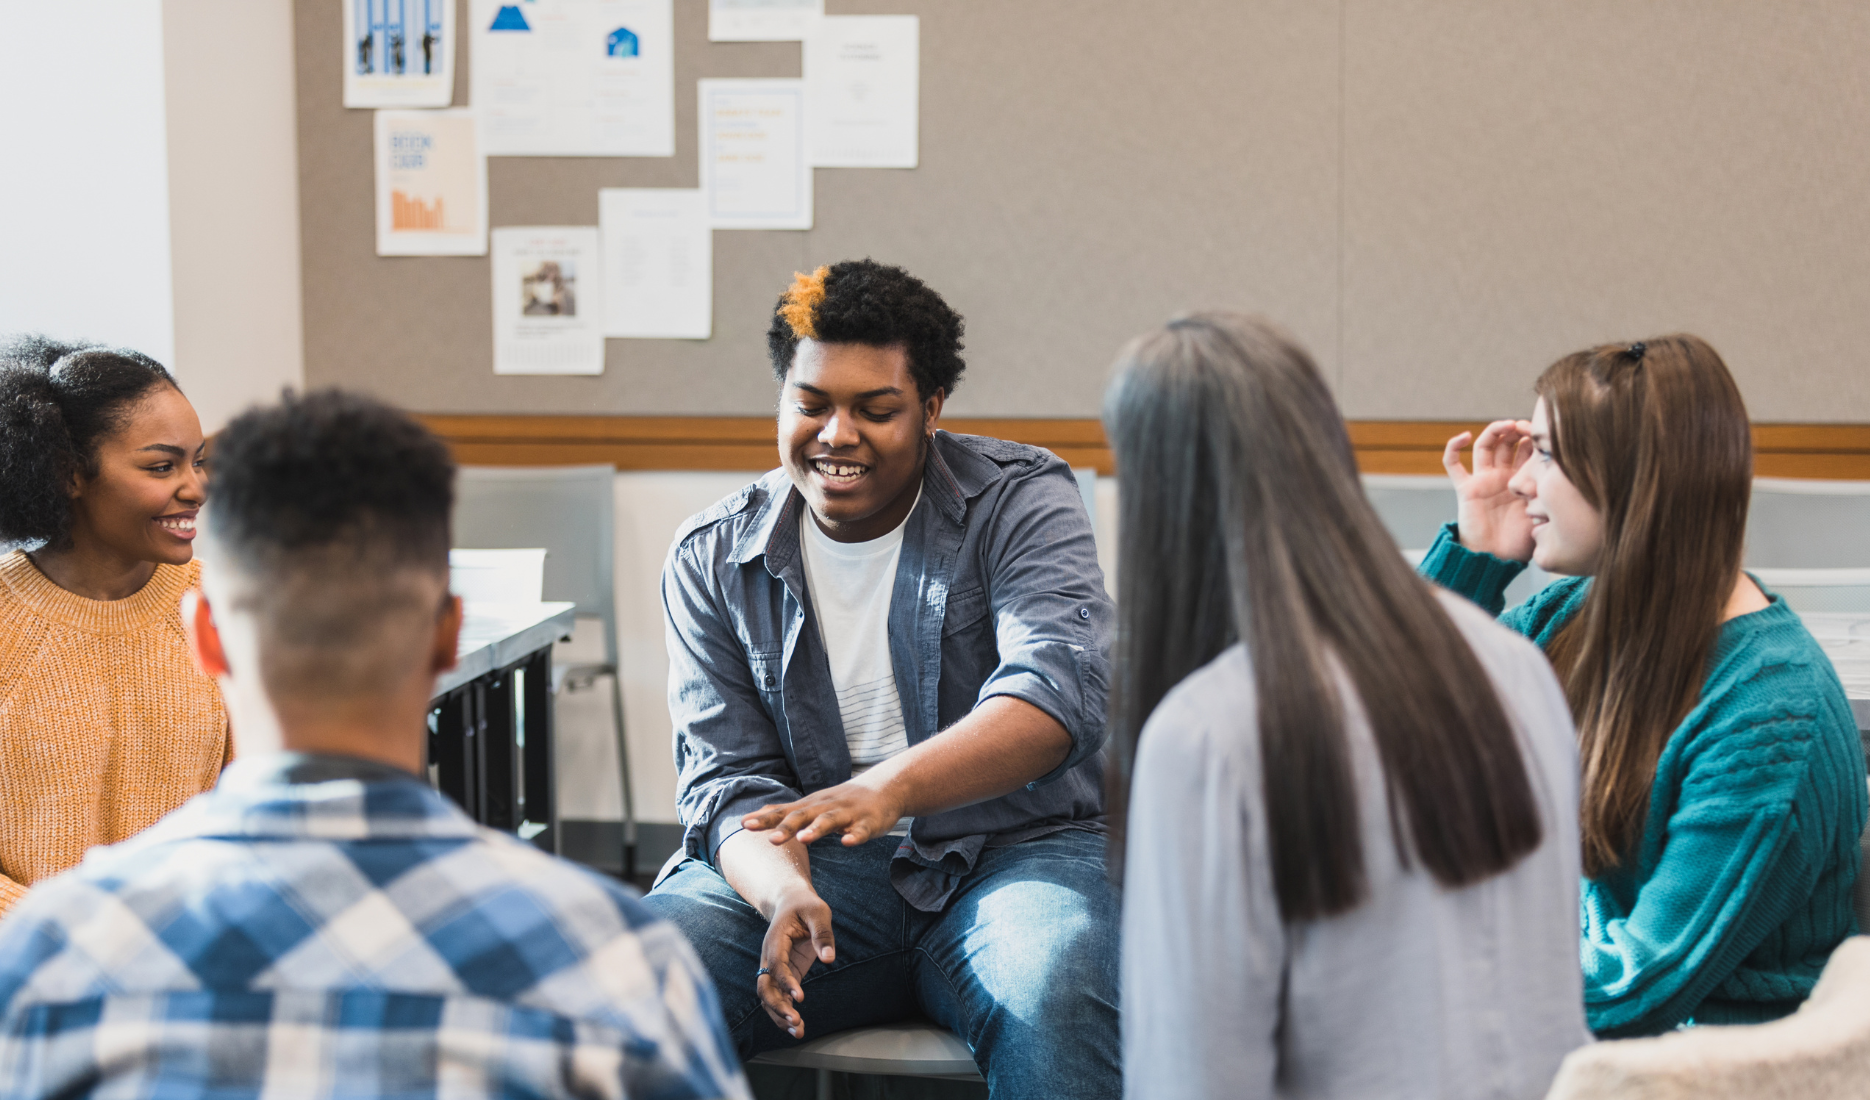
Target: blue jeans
{"x":1022,"y":964}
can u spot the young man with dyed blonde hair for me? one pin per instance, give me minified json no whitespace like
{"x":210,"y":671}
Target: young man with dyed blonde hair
{"x":887,"y":676}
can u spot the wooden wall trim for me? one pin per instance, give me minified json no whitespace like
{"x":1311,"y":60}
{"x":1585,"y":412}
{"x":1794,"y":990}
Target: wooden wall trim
{"x":747,"y":443}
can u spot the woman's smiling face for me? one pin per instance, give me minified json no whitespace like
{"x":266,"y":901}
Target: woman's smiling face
{"x":1567,"y":532}
{"x":151,"y":480}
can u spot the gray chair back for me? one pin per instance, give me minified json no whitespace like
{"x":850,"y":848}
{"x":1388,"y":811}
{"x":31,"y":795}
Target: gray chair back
{"x":1412,"y":506}
{"x":1798,"y":524}
{"x":566,"y":509}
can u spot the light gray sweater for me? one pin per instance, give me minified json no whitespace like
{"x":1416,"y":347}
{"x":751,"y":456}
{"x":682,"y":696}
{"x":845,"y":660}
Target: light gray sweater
{"x":1418,"y":992}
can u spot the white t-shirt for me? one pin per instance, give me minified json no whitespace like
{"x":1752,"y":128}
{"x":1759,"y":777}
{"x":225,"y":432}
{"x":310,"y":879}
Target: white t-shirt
{"x":851,"y":584}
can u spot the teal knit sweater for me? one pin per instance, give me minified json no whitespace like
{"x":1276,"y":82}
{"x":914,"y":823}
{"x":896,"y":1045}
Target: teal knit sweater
{"x":1741,"y":884}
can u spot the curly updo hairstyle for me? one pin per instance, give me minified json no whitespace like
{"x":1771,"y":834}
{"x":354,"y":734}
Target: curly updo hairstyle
{"x":58,"y":402}
{"x":865,"y":302}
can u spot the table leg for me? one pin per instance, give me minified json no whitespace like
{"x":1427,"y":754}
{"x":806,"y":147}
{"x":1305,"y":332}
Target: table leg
{"x":540,"y":783}
{"x":449,"y":745}
{"x":499,"y":754}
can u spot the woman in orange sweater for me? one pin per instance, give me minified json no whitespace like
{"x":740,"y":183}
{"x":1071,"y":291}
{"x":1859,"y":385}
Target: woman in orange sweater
{"x":105,"y":723}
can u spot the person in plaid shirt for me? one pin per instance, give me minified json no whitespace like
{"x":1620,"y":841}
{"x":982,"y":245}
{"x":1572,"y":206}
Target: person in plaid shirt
{"x":323,"y":923}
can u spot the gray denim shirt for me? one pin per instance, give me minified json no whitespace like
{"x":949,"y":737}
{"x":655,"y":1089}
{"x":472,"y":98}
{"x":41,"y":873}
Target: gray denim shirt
{"x":998,"y":592}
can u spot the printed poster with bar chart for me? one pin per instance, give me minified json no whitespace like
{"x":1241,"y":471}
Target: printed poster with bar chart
{"x":431,"y":184}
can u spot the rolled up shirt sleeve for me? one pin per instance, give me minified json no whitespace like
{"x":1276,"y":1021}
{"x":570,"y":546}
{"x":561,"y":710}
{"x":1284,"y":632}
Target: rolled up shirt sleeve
{"x":1053,"y":620}
{"x":728,"y":756}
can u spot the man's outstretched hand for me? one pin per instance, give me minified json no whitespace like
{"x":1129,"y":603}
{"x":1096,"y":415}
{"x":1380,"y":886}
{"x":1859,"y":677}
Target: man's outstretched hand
{"x":857,"y":810}
{"x":799,"y":935}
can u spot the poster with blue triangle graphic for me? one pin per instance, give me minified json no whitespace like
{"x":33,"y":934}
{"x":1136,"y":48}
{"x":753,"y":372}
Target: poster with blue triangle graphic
{"x":510,"y":18}
{"x":573,"y":78}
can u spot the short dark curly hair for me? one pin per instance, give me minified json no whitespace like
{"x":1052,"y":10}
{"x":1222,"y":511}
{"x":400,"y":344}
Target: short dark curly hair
{"x":865,"y":302}
{"x":329,"y":525}
{"x":330,"y":467}
{"x":59,"y":400}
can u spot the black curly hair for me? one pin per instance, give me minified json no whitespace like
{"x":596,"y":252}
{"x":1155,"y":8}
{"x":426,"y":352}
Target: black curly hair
{"x":865,"y":302}
{"x":331,"y":467}
{"x":58,"y":401}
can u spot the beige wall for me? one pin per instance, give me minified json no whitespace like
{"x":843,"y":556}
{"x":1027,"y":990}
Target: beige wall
{"x":233,"y":201}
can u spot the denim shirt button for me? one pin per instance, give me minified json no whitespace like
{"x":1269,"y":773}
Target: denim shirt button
{"x":769,"y":679}
{"x":1084,"y":612}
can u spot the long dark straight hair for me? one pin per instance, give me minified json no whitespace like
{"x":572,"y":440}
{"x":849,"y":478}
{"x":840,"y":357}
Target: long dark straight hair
{"x":1654,"y":436}
{"x":1243,"y":520}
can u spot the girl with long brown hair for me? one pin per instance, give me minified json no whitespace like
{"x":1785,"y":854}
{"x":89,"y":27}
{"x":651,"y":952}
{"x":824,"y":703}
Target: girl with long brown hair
{"x":1347,"y":801}
{"x":1723,"y":778}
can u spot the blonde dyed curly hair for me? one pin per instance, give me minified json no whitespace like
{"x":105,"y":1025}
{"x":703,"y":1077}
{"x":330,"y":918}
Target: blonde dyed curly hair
{"x":799,"y":305}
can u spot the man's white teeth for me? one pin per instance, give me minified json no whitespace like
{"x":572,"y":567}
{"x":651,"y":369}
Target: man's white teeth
{"x":178,"y":524}
{"x":835,"y":469}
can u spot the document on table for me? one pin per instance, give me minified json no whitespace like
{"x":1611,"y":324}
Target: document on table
{"x":431,"y":184}
{"x":861,"y":74}
{"x":761,"y":20}
{"x":658,"y":263}
{"x":575,"y":78}
{"x":754,"y":168}
{"x":399,"y":53}
{"x":548,"y":294}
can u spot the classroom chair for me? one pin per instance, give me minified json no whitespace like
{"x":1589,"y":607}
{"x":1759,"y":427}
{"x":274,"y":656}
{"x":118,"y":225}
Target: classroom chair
{"x":568,"y":510}
{"x":1809,"y":541}
{"x":1795,"y":523}
{"x":913,"y":1048}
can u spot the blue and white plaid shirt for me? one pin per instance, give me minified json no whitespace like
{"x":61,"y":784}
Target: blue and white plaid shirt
{"x":321,"y":926}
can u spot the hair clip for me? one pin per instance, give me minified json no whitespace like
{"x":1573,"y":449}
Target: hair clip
{"x":1637,"y":349}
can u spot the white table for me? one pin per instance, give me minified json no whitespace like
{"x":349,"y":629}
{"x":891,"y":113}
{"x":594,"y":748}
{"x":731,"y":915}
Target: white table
{"x":1846,"y":640}
{"x":490,"y":729}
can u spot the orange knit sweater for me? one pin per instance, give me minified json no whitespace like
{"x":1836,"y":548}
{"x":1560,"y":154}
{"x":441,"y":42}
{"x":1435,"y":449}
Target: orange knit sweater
{"x":105,"y":723}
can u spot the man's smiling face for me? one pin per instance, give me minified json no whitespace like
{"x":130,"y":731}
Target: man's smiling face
{"x":853,"y":435}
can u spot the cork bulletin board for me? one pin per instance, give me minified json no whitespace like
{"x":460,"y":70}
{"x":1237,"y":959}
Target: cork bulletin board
{"x":1438,"y":197}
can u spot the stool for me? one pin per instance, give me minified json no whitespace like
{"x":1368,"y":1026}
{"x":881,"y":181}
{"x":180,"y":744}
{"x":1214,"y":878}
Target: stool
{"x":912,"y":1048}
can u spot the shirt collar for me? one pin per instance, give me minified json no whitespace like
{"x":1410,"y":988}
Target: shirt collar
{"x":315,"y":797}
{"x":950,"y":477}
{"x":305,"y":767}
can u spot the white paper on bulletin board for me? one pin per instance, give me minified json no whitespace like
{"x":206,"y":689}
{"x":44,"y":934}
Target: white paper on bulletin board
{"x":399,"y":53}
{"x":658,"y":263}
{"x":431,"y":184}
{"x":754,"y":168}
{"x":761,"y":20}
{"x":861,"y":78}
{"x":574,"y":78}
{"x":548,"y":300}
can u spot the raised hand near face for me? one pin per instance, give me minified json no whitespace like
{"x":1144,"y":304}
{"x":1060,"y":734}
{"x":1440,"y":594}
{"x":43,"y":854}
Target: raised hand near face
{"x":1492,"y":517}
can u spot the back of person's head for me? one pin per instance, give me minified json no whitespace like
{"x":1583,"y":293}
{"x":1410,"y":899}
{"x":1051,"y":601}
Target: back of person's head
{"x":1243,"y":520}
{"x":58,"y":402}
{"x":1655,"y":437}
{"x":865,"y":302}
{"x":329,"y":527}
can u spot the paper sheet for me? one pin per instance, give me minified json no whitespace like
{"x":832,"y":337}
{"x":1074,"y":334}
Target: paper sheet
{"x":861,"y":90}
{"x":658,"y":263}
{"x":575,"y":78}
{"x":548,"y":294}
{"x":431,"y":184}
{"x":761,"y":20}
{"x":399,"y":53}
{"x":753,"y":164}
